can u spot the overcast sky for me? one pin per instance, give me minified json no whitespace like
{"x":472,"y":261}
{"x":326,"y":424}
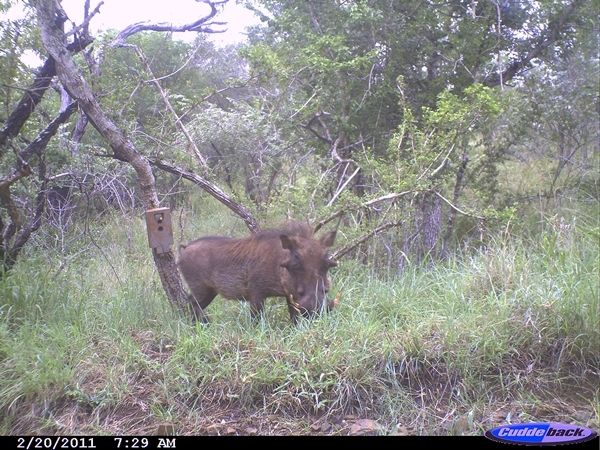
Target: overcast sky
{"x":118,"y":14}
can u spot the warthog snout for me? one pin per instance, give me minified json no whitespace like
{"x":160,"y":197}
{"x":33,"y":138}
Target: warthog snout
{"x":331,"y":303}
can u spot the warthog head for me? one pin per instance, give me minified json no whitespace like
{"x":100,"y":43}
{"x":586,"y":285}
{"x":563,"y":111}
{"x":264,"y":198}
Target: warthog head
{"x":304,"y":277}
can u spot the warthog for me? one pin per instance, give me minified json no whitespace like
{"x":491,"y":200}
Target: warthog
{"x":285,"y":262}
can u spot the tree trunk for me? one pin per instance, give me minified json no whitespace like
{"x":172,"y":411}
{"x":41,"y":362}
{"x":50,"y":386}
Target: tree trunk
{"x":77,"y":87}
{"x":429,"y":218}
{"x":458,"y":187}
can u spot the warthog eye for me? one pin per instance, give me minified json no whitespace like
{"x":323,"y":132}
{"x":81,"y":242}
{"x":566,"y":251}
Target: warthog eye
{"x":329,"y":262}
{"x":292,"y":263}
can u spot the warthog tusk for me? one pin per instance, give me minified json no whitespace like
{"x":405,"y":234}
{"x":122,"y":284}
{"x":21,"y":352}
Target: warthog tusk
{"x":295,"y":305}
{"x":333,"y":303}
{"x":337,"y":299}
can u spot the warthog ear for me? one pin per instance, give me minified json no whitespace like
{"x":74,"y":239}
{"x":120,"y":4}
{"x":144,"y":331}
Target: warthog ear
{"x":327,"y":240}
{"x":289,"y":243}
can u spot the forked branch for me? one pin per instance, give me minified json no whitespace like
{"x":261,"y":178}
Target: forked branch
{"x":201,"y":25}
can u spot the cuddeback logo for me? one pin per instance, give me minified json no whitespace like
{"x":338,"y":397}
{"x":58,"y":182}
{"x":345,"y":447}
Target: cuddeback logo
{"x":552,"y":433}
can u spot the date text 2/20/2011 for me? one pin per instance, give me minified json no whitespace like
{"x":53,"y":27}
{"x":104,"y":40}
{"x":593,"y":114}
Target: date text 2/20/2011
{"x":96,"y":442}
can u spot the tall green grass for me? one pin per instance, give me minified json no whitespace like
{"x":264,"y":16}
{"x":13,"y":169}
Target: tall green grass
{"x":485,"y":337}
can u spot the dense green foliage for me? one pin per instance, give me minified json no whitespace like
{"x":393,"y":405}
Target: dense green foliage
{"x":331,"y":106}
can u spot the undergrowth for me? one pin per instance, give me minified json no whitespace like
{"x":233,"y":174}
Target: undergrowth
{"x":505,"y":332}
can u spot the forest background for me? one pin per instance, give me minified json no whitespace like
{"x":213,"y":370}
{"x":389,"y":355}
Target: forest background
{"x":452,"y":144}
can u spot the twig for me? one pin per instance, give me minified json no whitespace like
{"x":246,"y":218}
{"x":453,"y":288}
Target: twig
{"x":339,"y":191}
{"x":87,"y":20}
{"x":434,"y":160}
{"x":342,"y":251}
{"x":178,"y":70}
{"x":303,"y":106}
{"x":442,"y":164}
{"x":342,"y":212}
{"x":165,"y":98}
{"x":457,"y":209}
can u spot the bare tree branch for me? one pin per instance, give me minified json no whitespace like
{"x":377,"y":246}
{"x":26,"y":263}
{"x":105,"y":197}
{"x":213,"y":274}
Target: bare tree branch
{"x":341,"y":189}
{"x":166,"y":101}
{"x":88,"y":17}
{"x":74,"y":82}
{"x":36,"y":147}
{"x":309,"y":126}
{"x":213,"y":190}
{"x":348,"y":248}
{"x":33,"y":95}
{"x":550,"y":38}
{"x":44,"y":137}
{"x":334,"y":151}
{"x":201,"y":25}
{"x":454,"y":207}
{"x":364,"y":205}
{"x":9,"y":251}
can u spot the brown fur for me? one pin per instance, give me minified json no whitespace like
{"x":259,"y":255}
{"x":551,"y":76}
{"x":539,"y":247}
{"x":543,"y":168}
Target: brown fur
{"x":285,"y":262}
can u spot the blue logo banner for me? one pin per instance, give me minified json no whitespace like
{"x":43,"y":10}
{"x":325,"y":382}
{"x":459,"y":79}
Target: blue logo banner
{"x":548,"y":433}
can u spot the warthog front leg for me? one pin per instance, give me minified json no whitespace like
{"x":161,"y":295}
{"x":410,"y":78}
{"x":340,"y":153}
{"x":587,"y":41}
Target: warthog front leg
{"x":197,"y":304}
{"x":256,"y":307}
{"x":196,"y":311}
